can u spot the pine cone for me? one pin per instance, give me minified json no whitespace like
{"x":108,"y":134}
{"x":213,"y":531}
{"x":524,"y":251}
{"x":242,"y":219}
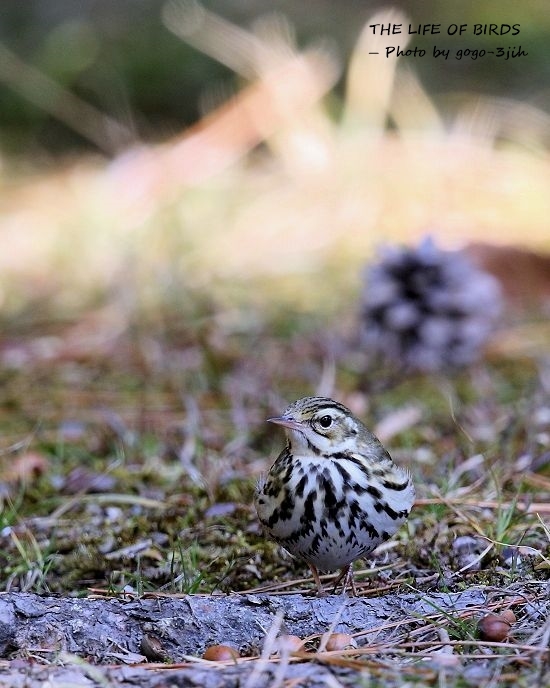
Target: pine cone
{"x":427,"y":308}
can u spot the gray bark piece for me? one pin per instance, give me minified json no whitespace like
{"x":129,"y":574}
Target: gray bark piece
{"x":102,"y":632}
{"x":186,"y":626}
{"x":7,"y":625}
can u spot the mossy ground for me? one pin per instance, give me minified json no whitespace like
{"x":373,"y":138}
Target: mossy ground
{"x":145,"y":477}
{"x":133,"y":470}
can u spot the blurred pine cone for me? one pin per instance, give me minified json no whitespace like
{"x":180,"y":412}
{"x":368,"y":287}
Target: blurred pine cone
{"x":427,"y":308}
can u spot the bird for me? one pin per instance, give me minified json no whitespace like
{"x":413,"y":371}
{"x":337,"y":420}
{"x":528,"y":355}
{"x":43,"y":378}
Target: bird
{"x":334,"y":493}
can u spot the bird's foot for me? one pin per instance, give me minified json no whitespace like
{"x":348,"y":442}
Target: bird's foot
{"x":347,"y":575}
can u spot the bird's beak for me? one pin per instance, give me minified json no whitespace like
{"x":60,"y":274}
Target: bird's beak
{"x":286,"y":423}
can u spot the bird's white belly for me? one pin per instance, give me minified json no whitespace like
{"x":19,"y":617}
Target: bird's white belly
{"x":341,"y":524}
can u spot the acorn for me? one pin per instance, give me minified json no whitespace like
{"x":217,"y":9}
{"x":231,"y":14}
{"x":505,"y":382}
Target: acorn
{"x":340,"y":641}
{"x":220,"y":653}
{"x":493,"y":627}
{"x":290,"y":643}
{"x":509,"y":615}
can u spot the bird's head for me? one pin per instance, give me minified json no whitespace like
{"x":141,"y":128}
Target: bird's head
{"x":320,"y":426}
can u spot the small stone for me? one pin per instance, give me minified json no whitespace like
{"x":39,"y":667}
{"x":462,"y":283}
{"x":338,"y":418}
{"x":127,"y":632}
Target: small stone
{"x":443,"y":659}
{"x":467,"y":550}
{"x":81,"y":480}
{"x":220,"y":509}
{"x":511,"y":557}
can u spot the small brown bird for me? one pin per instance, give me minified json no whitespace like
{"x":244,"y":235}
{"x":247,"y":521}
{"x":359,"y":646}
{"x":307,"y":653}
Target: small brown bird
{"x":334,"y":493}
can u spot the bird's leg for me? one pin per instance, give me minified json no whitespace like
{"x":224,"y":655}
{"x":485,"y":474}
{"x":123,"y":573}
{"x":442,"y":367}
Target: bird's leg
{"x":315,"y":574}
{"x":347,"y":574}
{"x":350,"y":580}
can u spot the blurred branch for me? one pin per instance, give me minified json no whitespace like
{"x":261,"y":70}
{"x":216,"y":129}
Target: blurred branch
{"x":274,"y":101}
{"x":370,"y":78}
{"x":225,"y":42}
{"x":411,"y":108}
{"x":490,"y":117}
{"x":106,"y":133}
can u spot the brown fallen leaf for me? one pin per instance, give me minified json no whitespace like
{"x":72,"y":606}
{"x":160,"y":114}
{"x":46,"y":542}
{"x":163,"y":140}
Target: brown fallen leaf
{"x":25,"y":468}
{"x":524,"y":274}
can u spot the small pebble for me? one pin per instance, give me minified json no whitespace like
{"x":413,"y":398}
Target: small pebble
{"x":467,"y":550}
{"x":511,"y":557}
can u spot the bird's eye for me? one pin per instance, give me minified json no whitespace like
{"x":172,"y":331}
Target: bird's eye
{"x":325,"y":421}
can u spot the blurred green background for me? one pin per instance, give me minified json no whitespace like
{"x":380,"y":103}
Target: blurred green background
{"x":120,"y":57}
